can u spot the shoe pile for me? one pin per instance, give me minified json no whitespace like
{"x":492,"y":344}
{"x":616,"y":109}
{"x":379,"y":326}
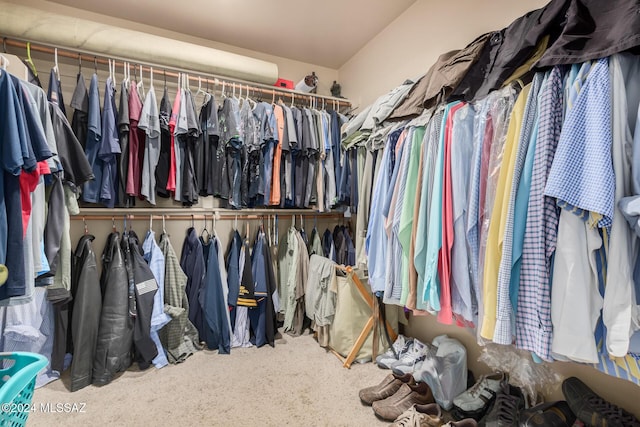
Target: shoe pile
{"x":592,"y":409}
{"x":493,"y":402}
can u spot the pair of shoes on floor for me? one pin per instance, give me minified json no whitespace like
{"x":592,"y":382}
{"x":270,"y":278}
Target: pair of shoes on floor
{"x":592,"y":409}
{"x":404,"y":356}
{"x":408,"y":394}
{"x":476,"y":401}
{"x":400,"y":347}
{"x":428,"y":415}
{"x":387,"y":388}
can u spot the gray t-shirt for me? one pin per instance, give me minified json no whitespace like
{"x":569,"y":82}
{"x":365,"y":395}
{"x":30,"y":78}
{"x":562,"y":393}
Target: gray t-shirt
{"x":150,"y":123}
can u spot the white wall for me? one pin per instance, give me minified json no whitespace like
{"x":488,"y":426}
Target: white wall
{"x":407,"y":48}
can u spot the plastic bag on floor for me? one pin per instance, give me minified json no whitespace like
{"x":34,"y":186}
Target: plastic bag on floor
{"x":533,"y":378}
{"x":446,"y":371}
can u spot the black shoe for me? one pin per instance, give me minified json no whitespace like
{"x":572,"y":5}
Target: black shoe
{"x":592,"y":409}
{"x":551,"y":414}
{"x":506,"y":408}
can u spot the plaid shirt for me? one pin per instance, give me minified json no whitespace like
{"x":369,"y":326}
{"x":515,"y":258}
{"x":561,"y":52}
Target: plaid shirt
{"x":533,"y":315}
{"x":503,"y":333}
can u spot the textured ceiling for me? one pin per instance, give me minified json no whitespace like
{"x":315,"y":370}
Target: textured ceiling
{"x":326,"y":32}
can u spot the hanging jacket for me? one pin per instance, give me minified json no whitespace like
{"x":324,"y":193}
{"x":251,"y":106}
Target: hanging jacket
{"x":145,"y":288}
{"x":179,"y":337}
{"x":271,"y":321}
{"x":115,"y":333}
{"x":216,"y":328}
{"x":259,"y":273}
{"x":233,"y":270}
{"x":193,"y":265}
{"x":164,"y":161}
{"x":85,"y":317}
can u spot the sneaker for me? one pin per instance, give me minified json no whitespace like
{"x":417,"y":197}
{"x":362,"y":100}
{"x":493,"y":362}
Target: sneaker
{"x":467,"y":422}
{"x":506,"y":408}
{"x":388,"y":387}
{"x":475,"y":402}
{"x":412,"y":359}
{"x":399,"y":348}
{"x":592,"y":409}
{"x":407,"y":395}
{"x":420,"y":416}
{"x":552,"y":414}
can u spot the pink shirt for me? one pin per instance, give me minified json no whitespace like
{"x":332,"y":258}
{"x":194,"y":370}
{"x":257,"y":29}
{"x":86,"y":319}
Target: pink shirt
{"x":445,"y":314}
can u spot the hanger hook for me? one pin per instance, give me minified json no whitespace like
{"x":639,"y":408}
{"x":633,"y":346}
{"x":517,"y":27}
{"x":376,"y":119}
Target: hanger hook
{"x":163,"y":228}
{"x":4,"y":44}
{"x":150,"y":222}
{"x":79,"y":63}
{"x":86,"y":229}
{"x":193,"y":221}
{"x":95,"y":64}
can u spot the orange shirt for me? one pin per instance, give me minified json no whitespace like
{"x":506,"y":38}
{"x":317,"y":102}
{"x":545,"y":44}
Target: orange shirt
{"x":274,"y":199}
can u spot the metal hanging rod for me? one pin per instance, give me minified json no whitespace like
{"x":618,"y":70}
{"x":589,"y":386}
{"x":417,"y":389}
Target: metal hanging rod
{"x":160,"y":70}
{"x":207,"y":211}
{"x":171,"y":217}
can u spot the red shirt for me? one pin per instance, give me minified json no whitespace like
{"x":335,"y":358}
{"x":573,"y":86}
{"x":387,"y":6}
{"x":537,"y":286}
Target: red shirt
{"x":171,"y":182}
{"x":28,"y":183}
{"x":445,"y":314}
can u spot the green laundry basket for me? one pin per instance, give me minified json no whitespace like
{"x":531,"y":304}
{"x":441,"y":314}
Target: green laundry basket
{"x":18,"y":373}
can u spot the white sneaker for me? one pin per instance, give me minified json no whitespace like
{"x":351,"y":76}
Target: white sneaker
{"x":412,"y":359}
{"x":474,"y":402}
{"x":399,"y":348}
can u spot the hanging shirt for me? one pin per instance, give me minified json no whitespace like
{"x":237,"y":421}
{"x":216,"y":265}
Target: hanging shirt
{"x":587,"y":200}
{"x":150,"y":123}
{"x":123,"y":131}
{"x":461,"y":162}
{"x":164,"y":159}
{"x":109,"y":148}
{"x":494,"y":245}
{"x":428,"y":170}
{"x":431,"y":293}
{"x":154,"y":257}
{"x":533,"y":316}
{"x":80,"y":105}
{"x":278,"y":114}
{"x":54,"y":91}
{"x":445,"y":315}
{"x":173,"y":122}
{"x":136,"y":143}
{"x":90,"y":191}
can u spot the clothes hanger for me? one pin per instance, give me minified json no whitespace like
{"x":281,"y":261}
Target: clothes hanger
{"x":193,"y":222}
{"x":140,"y":85}
{"x":164,"y":72}
{"x":29,"y":61}
{"x":150,"y":222}
{"x":86,"y":229}
{"x":293,"y":98}
{"x":79,"y":64}
{"x":164,"y":231}
{"x":55,"y":62}
{"x":95,"y":64}
{"x":204,"y":230}
{"x":235,"y":223}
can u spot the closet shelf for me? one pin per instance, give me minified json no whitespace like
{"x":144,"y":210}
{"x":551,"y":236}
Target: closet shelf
{"x":92,"y":58}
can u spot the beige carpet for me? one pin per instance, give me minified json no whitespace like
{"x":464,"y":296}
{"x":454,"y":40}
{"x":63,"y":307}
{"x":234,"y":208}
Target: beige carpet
{"x":296,"y":383}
